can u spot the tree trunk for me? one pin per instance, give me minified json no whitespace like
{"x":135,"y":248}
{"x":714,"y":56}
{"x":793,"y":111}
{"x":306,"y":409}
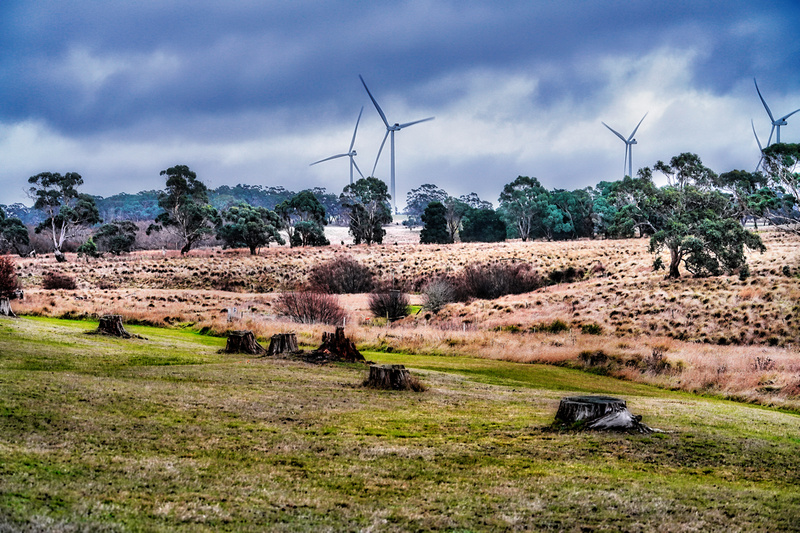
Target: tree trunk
{"x":674,"y":263}
{"x":112,"y":325}
{"x":5,"y":307}
{"x":391,"y":377}
{"x":336,"y":347}
{"x":243,"y":341}
{"x":283,"y":343}
{"x":60,"y":257}
{"x":599,"y":412}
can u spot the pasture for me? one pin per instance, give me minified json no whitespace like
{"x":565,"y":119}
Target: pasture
{"x":167,"y":434}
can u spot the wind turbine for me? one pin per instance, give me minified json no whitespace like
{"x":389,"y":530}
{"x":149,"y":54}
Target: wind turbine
{"x":350,"y":152}
{"x":775,"y":123}
{"x":389,"y":129}
{"x":629,"y":142}
{"x":760,"y":149}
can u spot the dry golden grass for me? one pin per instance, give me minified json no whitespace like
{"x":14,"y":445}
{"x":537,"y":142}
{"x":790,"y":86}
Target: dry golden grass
{"x":732,"y":337}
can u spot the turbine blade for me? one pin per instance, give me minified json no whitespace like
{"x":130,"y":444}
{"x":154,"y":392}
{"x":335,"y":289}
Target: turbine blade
{"x":769,"y":141}
{"x":615,"y":133}
{"x":784,"y":117}
{"x":765,"y":104}
{"x":356,"y":165}
{"x":379,"y":153}
{"x":407,"y":124}
{"x":380,"y":111}
{"x":756,"y":134}
{"x":327,"y":159}
{"x":356,"y":130}
{"x":637,"y":127}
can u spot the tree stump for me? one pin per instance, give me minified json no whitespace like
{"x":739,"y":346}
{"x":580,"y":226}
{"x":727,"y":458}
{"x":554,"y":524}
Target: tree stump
{"x":391,"y":377}
{"x":243,"y":341}
{"x":112,"y":325}
{"x":599,"y":412}
{"x":335,"y":347}
{"x":282,"y":343}
{"x":5,"y":307}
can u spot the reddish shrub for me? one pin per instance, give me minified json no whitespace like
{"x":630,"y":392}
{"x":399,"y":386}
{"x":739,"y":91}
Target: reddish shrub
{"x":492,"y":280}
{"x":54,"y":280}
{"x":311,"y":308}
{"x":389,"y":304}
{"x":342,"y":275}
{"x":8,"y":277}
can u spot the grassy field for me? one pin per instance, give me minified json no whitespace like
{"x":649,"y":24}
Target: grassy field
{"x":166,"y":434}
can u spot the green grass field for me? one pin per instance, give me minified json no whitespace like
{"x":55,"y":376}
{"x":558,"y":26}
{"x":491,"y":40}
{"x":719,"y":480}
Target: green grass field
{"x":166,"y":434}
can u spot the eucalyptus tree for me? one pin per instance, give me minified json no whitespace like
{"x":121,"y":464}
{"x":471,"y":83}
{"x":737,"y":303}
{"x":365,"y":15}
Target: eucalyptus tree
{"x":698,"y":224}
{"x":368,"y":209}
{"x":303,"y":218}
{"x":250,"y":227}
{"x":186,"y":210}
{"x":66,"y":210}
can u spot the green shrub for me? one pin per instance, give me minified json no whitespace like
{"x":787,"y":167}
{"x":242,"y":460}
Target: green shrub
{"x":591,"y":329}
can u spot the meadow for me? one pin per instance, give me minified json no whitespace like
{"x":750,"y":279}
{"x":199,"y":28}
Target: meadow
{"x":721,"y":336}
{"x":165,"y":433}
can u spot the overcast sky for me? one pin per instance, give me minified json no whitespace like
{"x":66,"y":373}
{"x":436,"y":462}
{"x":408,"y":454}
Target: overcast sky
{"x":249,"y":91}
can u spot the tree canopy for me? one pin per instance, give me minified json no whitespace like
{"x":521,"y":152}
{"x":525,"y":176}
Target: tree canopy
{"x":697,"y":224}
{"x":303,"y":218}
{"x":249,"y":227}
{"x":367,"y":204}
{"x":435,"y":229}
{"x":185,"y":207}
{"x":66,"y":210}
{"x":13,"y":234}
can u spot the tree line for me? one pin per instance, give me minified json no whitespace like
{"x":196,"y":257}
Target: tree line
{"x":699,"y":217}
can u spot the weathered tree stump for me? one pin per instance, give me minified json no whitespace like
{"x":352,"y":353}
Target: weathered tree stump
{"x":391,"y":377}
{"x":335,"y":347}
{"x":243,"y":341}
{"x":112,"y":325}
{"x":282,"y":343}
{"x":5,"y":307}
{"x":599,"y":412}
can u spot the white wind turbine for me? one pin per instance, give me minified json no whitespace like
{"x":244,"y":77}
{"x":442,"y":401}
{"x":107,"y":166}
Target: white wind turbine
{"x":629,"y":142}
{"x":389,"y":129}
{"x":775,"y":123}
{"x":760,"y":148}
{"x":350,"y":152}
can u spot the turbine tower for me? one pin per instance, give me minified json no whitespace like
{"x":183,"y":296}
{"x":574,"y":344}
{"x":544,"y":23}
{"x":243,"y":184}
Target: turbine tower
{"x":775,"y":123}
{"x":760,"y":148}
{"x":389,"y":129}
{"x":350,"y":152}
{"x":629,"y":142}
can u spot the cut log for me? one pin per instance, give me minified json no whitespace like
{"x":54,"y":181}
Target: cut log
{"x":5,"y":307}
{"x":391,"y":377}
{"x":282,"y":343}
{"x":599,"y":412}
{"x":112,"y":325}
{"x":243,"y":341}
{"x":335,"y":347}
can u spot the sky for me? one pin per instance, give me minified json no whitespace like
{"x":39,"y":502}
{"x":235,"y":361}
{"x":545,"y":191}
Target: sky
{"x":253,"y":91}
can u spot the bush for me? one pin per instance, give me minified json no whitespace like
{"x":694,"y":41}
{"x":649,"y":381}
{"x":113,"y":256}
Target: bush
{"x":8,"y":277}
{"x":437,"y":293}
{"x":556,"y":326}
{"x":311,"y":308}
{"x":54,"y":280}
{"x":591,"y":329}
{"x":389,"y":304}
{"x":492,"y":280}
{"x":342,"y":275}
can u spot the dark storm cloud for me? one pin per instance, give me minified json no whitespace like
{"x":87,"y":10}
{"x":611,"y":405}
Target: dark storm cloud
{"x":125,"y":80}
{"x":98,"y":65}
